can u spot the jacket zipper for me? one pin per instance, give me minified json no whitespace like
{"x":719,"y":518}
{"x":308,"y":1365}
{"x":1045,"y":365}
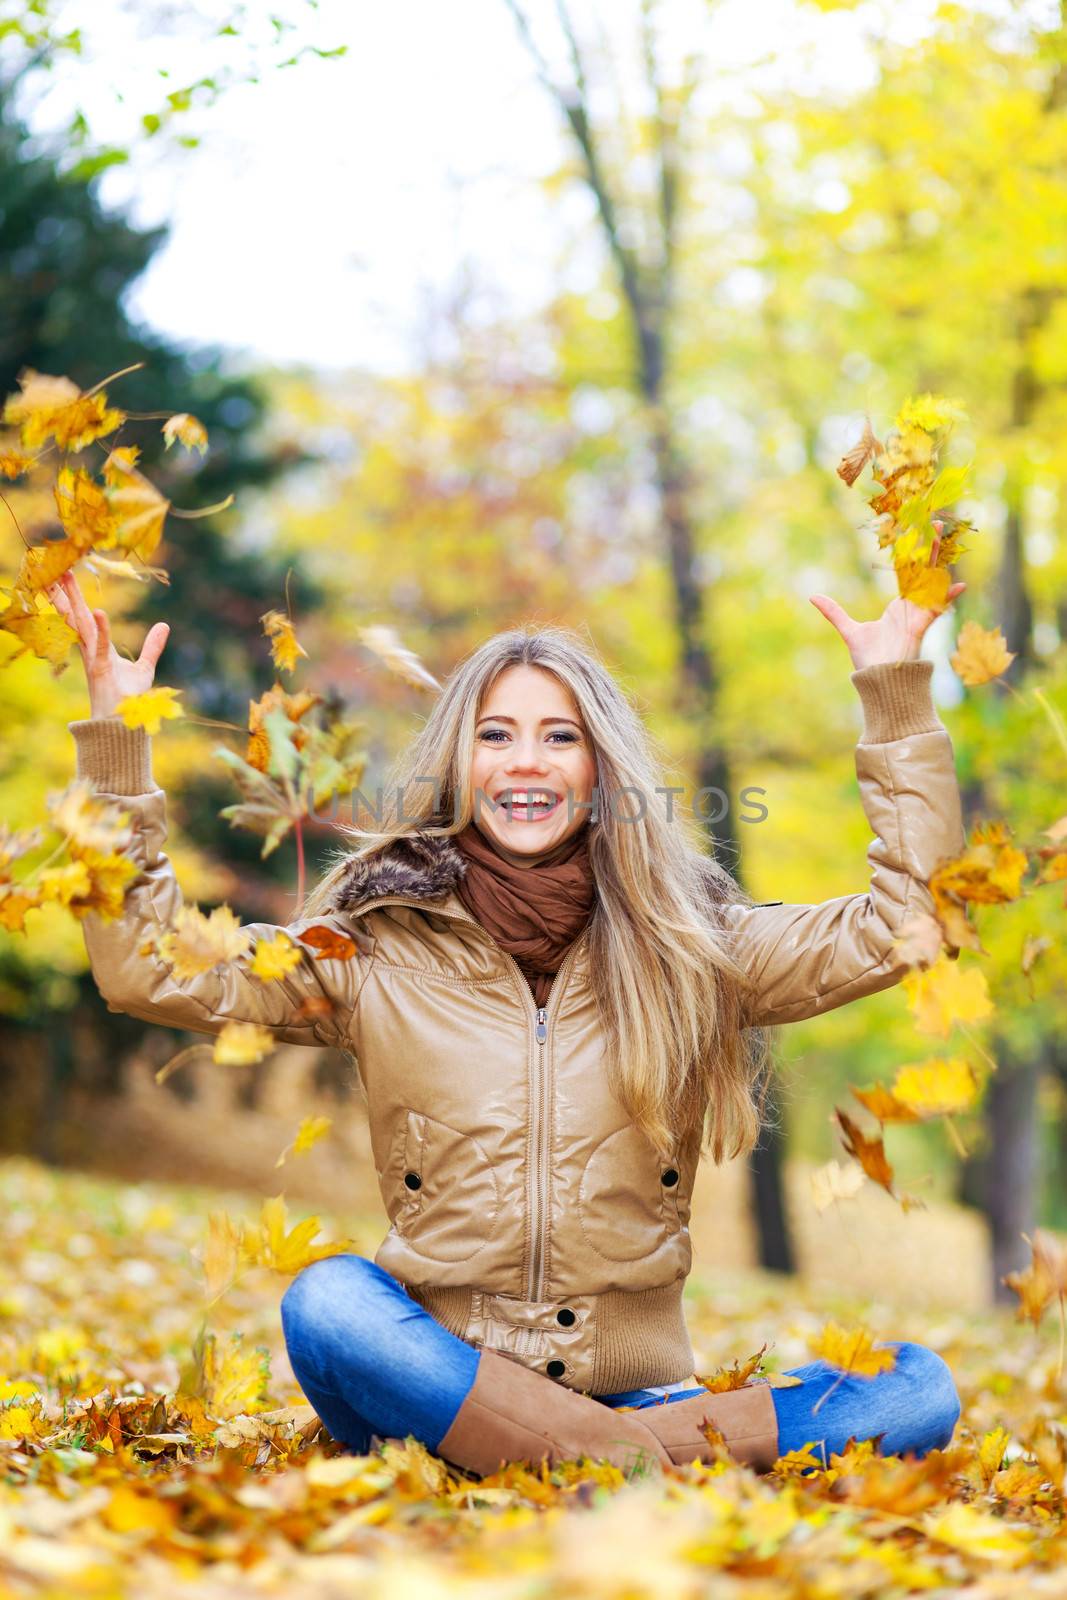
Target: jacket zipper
{"x":540,"y":1087}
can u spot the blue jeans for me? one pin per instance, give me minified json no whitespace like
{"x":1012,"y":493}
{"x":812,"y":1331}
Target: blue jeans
{"x":372,"y":1362}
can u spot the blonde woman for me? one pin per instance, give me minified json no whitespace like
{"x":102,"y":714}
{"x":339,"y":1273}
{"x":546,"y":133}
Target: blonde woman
{"x":556,"y":1004}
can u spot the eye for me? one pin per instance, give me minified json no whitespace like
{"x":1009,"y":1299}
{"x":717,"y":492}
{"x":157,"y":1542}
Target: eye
{"x":559,"y":733}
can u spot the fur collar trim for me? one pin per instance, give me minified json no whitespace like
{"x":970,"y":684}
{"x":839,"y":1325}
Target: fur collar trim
{"x":417,"y":866}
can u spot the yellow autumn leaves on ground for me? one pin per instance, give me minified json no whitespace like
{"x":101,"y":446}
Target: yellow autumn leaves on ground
{"x":145,"y":1455}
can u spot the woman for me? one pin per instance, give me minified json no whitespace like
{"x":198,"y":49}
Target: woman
{"x":554,"y":1005}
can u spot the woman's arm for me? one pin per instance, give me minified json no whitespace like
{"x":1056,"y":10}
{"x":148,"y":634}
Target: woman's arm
{"x":312,"y":1004}
{"x":807,"y":959}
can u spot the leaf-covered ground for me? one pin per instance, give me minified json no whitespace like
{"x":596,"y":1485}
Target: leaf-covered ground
{"x":152,"y":1449}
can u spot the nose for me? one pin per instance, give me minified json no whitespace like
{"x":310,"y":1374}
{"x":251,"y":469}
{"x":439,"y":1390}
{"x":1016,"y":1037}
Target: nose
{"x":526,"y":756}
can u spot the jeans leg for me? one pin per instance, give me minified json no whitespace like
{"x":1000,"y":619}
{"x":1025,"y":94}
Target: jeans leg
{"x":915,"y":1405}
{"x":369,"y":1358}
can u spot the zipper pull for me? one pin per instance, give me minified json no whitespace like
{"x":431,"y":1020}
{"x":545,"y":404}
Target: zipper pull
{"x":542,"y":1029}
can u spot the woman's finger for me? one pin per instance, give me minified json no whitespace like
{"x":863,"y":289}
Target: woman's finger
{"x":102,"y":652}
{"x":83,"y":617}
{"x":833,"y":613}
{"x":152,"y":649}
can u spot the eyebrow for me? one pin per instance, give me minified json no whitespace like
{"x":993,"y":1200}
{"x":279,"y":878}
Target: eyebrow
{"x":491,"y":717}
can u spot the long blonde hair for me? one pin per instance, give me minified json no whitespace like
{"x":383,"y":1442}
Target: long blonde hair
{"x":670,"y":994}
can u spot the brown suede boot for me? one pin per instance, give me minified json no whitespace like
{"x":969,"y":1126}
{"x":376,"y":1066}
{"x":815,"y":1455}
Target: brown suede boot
{"x":745,"y":1417}
{"x":514,"y":1414}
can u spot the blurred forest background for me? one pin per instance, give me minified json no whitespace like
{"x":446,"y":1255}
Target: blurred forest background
{"x":647,"y":453}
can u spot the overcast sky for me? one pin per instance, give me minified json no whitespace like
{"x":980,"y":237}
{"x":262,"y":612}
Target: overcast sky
{"x":327,"y":197}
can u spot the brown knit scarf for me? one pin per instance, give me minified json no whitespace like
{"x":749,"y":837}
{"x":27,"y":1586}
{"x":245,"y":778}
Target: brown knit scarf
{"x":534,"y":911}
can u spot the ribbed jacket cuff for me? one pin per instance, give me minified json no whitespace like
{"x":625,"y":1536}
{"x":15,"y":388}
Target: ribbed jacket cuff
{"x":115,"y":759}
{"x":896,"y":700}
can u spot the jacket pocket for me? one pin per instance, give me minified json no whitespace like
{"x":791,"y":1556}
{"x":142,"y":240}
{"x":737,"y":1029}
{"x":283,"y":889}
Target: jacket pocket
{"x":628,"y":1197}
{"x":440,"y":1190}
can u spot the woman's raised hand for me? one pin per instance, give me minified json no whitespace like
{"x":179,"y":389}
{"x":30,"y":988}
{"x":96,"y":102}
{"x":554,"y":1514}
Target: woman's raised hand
{"x":897,"y":634}
{"x":110,"y":677}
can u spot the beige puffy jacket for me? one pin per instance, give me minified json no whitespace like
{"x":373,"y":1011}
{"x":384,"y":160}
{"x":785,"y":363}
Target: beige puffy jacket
{"x":527,"y":1212}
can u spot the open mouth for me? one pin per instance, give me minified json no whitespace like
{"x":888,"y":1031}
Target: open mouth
{"x":534,"y":805}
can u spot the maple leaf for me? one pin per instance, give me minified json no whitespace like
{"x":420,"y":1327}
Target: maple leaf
{"x":1044,"y":1280}
{"x":14,"y":904}
{"x":870,"y":1153}
{"x":273,"y":958}
{"x":310,"y":1131}
{"x":295,"y":706}
{"x":266,"y":809}
{"x":924,"y":585}
{"x":62,"y":884}
{"x":125,"y":569}
{"x":269,"y":1245}
{"x":834,"y":1182}
{"x":140,"y":510}
{"x":239,"y":1044}
{"x":42,"y":565}
{"x":221,"y":1253}
{"x":55,"y":408}
{"x":330,"y":945}
{"x":936,"y":1087}
{"x":387,"y":645}
{"x":735,"y":1376}
{"x":852,"y":1349}
{"x":943,"y":995}
{"x":13,"y":464}
{"x":919,"y":940}
{"x":83,"y":509}
{"x":110,"y":874}
{"x":46,"y":633}
{"x":16,"y":843}
{"x":853,"y":462}
{"x":148,"y":709}
{"x":284,"y":648}
{"x":195,"y":943}
{"x":981,"y":654}
{"x":87,"y":819}
{"x":235,"y":1382}
{"x":188,"y":430}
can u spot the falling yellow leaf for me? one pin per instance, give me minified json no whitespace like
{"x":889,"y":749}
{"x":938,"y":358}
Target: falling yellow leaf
{"x":88,"y":819}
{"x":269,"y":1245}
{"x":273,"y":958}
{"x":139,"y":508}
{"x":196,"y":943}
{"x":46,"y":633}
{"x":13,"y":464}
{"x":188,"y":430}
{"x":221,"y":1253}
{"x":83,"y":509}
{"x":934,"y":1088}
{"x":981,"y":654}
{"x":284,"y":647}
{"x":835,"y":1181}
{"x":853,"y":1349}
{"x":944,"y":995}
{"x":14,"y":904}
{"x":148,"y":709}
{"x":234,"y":1383}
{"x":310,"y":1131}
{"x":239,"y":1044}
{"x":387,"y":645}
{"x":55,"y":408}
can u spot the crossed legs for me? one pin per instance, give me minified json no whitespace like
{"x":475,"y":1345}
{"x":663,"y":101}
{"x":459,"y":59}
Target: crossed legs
{"x":372,"y":1361}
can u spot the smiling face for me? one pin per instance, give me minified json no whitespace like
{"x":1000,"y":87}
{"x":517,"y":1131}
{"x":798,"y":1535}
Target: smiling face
{"x":530,"y":740}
